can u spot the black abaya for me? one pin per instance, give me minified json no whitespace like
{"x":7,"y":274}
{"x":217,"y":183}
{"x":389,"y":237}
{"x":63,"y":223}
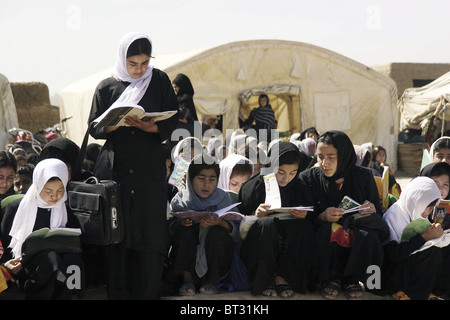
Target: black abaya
{"x":275,"y":246}
{"x":337,"y":262}
{"x":139,"y":167}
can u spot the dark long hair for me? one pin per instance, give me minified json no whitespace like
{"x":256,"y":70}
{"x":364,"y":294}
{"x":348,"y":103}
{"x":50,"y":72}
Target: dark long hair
{"x":138,"y":47}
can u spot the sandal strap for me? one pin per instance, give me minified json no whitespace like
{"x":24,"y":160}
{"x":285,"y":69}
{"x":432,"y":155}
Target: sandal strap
{"x":329,"y":286}
{"x":333,"y":285}
{"x":282,"y":287}
{"x":353,"y":287}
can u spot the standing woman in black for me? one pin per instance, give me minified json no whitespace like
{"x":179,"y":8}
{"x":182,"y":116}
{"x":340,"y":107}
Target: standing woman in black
{"x":136,"y":264}
{"x":344,"y":252}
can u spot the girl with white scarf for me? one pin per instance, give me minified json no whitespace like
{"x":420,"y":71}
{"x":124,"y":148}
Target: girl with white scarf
{"x":25,"y":217}
{"x":132,"y":155}
{"x":232,"y":179}
{"x":43,"y":206}
{"x":408,"y":273}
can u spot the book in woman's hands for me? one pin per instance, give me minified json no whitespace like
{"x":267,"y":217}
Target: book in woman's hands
{"x":350,"y":206}
{"x":273,"y":196}
{"x":115,"y":116}
{"x":196,"y":216}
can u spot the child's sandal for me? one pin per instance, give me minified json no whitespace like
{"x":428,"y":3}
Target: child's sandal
{"x":400,"y":295}
{"x":330,"y":286}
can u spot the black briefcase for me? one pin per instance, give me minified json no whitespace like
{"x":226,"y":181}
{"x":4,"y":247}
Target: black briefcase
{"x":97,"y":206}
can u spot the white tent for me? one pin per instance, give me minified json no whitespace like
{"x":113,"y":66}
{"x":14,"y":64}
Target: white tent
{"x":416,"y":105}
{"x":307,"y":85}
{"x":8,"y":113}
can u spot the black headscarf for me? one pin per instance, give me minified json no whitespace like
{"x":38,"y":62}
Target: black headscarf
{"x":345,"y":150}
{"x":253,"y":192}
{"x":276,"y":152}
{"x":184,"y":83}
{"x":436,"y":169}
{"x":65,"y":150}
{"x":185,"y":98}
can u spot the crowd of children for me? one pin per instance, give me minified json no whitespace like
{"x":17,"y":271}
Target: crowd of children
{"x":289,"y":228}
{"x":263,"y":251}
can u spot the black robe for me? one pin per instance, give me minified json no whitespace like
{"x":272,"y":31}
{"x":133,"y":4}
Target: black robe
{"x":185,"y":98}
{"x":139,"y":162}
{"x":284,"y":247}
{"x":336,"y":262}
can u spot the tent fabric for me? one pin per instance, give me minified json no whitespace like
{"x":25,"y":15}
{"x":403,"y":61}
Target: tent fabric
{"x":315,"y":86}
{"x":8,"y":116}
{"x":416,"y":105}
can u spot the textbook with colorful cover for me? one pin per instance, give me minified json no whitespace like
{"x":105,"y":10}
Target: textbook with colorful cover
{"x":178,"y":173}
{"x":350,"y":206}
{"x":115,"y":116}
{"x":383,"y":187}
{"x":223,"y":213}
{"x":441,"y":214}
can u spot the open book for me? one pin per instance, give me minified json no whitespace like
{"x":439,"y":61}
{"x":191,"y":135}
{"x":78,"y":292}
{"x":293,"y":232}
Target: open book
{"x":223,"y":213}
{"x":58,"y":239}
{"x":273,"y":196}
{"x":350,"y":206}
{"x":47,"y":233}
{"x":115,"y":116}
{"x":419,"y":226}
{"x":383,"y":187}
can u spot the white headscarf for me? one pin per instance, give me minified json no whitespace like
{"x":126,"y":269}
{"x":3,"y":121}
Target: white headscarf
{"x":25,"y":217}
{"x":226,"y":168}
{"x":294,"y":137}
{"x":414,"y":199}
{"x":184,"y":146}
{"x":135,"y":91}
{"x":305,"y":144}
{"x":214,"y":143}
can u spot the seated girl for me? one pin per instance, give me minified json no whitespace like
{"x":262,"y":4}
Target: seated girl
{"x":44,"y":205}
{"x":378,"y":163}
{"x":202,"y":252}
{"x":344,"y":249}
{"x":439,"y":172}
{"x":440,"y":150}
{"x":8,"y":168}
{"x":278,"y":251}
{"x":408,"y":273}
{"x":235,"y":170}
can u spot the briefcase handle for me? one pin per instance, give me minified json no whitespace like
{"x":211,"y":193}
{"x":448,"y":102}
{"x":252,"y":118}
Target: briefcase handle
{"x":92,"y":180}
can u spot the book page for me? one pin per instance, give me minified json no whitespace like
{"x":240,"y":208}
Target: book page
{"x":115,"y":115}
{"x":224,"y":210}
{"x":273,"y":196}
